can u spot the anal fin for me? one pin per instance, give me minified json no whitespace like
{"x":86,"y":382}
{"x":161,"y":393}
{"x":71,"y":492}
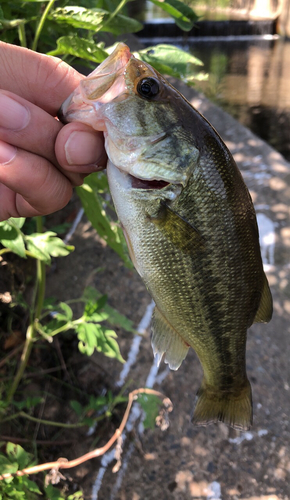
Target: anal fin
{"x":165,"y":340}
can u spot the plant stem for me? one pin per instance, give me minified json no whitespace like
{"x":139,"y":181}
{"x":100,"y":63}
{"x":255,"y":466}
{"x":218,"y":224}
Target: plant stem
{"x":116,"y":11}
{"x":63,"y":463}
{"x":22,"y":35}
{"x":7,"y":250}
{"x":32,"y":328}
{"x":23,"y":363}
{"x":40,"y":275}
{"x":41,"y":24}
{"x":58,"y":424}
{"x":11,"y":417}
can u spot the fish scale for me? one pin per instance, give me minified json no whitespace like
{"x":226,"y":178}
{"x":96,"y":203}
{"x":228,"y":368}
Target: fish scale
{"x":189,"y":223}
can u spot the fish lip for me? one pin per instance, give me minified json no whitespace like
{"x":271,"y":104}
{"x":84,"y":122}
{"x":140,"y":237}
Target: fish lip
{"x":85,"y":97}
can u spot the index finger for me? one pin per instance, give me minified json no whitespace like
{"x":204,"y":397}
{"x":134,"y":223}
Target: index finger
{"x":43,"y":80}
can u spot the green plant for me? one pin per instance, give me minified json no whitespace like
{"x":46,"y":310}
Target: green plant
{"x":75,"y":32}
{"x":16,"y":467}
{"x":22,"y":487}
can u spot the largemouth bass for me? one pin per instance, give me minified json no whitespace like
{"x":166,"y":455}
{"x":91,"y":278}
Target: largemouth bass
{"x":189,"y":223}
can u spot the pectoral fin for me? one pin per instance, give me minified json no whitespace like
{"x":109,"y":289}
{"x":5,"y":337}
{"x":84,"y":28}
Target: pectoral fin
{"x":165,"y":340}
{"x":177,"y":229}
{"x":265,"y":311}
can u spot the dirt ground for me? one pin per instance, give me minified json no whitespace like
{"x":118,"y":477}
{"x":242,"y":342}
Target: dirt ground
{"x":185,"y":462}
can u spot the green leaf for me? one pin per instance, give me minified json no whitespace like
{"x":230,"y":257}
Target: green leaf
{"x":90,"y":294}
{"x":61,"y":228}
{"x":78,"y":495}
{"x":97,"y":403}
{"x":43,"y":246}
{"x":79,"y":17}
{"x":109,"y":346}
{"x":68,"y":313}
{"x":92,"y":310}
{"x":88,"y":335}
{"x":95,"y":20}
{"x":151,"y":405}
{"x":16,"y":453}
{"x":31,"y":486}
{"x":114,"y":317}
{"x":77,"y":407}
{"x":53,"y":493}
{"x":121,"y":24}
{"x":93,"y":205}
{"x":92,"y":336}
{"x":28,"y":403}
{"x":6,"y":467}
{"x":18,"y":222}
{"x":11,"y":237}
{"x":79,"y":47}
{"x":49,"y":303}
{"x":32,"y":1}
{"x":182,"y":14}
{"x":170,"y":60}
{"x":53,"y":325}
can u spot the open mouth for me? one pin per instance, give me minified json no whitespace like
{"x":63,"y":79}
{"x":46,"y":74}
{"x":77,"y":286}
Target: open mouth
{"x":145,"y":184}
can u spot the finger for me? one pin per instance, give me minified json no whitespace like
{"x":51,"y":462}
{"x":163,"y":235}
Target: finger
{"x":80,"y":149}
{"x":40,"y":186}
{"x":43,"y":80}
{"x":27,"y":126}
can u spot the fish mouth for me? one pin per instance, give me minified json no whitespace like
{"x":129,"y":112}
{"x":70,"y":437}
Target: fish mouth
{"x":138,"y":183}
{"x":105,"y":84}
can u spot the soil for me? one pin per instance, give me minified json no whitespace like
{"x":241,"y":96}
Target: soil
{"x":182,"y":462}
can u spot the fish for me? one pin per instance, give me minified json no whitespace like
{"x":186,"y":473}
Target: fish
{"x":189,"y":223}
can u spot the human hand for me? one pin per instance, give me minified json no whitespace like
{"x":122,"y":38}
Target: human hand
{"x":40,"y":159}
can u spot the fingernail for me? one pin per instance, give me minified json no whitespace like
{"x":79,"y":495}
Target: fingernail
{"x":13,"y":116}
{"x":82,"y":148}
{"x":7,"y":153}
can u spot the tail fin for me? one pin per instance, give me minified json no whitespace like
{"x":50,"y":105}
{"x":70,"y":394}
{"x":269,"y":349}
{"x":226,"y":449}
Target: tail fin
{"x":234,"y":410}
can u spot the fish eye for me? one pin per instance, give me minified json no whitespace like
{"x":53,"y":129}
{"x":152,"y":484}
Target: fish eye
{"x":148,"y":87}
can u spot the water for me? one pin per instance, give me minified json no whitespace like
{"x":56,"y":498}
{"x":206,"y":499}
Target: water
{"x":249,"y":76}
{"x":251,"y":80}
{"x":215,"y":10}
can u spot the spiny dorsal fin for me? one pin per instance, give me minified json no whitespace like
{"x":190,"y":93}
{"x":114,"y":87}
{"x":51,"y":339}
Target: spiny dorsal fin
{"x":165,"y":340}
{"x":265,"y":311}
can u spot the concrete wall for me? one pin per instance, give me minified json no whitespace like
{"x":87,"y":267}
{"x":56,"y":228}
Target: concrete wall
{"x":284,"y":19}
{"x":248,"y":10}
